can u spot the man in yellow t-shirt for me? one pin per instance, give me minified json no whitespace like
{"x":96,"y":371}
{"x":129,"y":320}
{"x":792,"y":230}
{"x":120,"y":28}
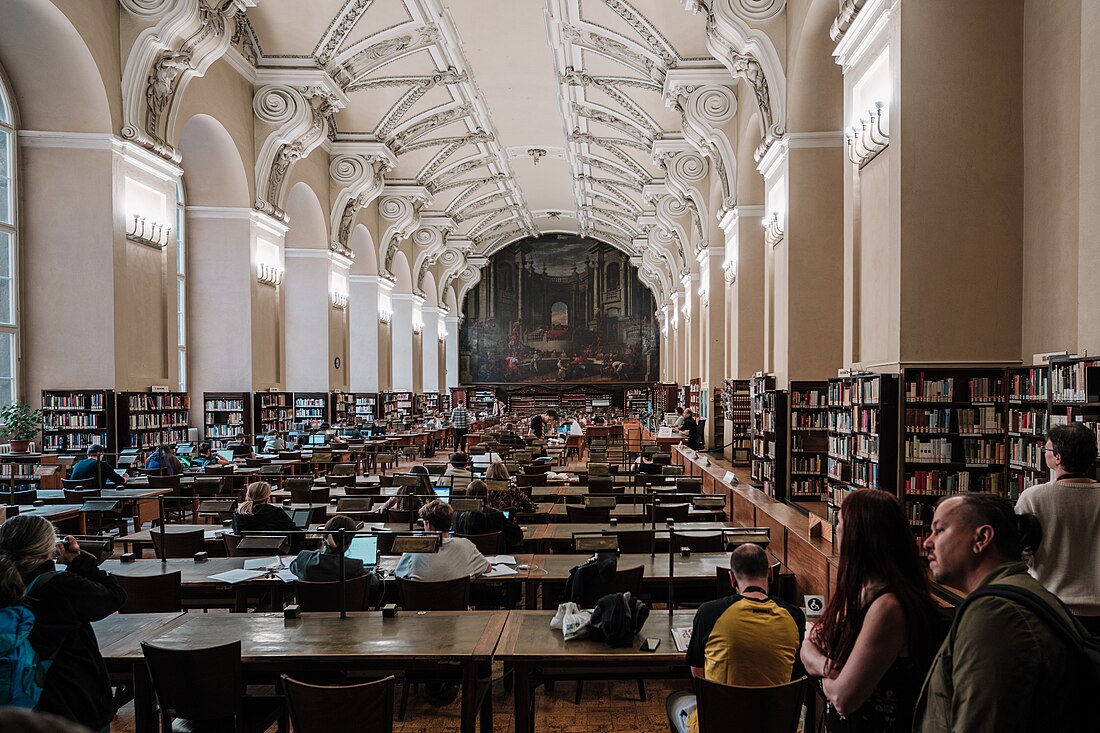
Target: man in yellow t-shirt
{"x":748,"y":639}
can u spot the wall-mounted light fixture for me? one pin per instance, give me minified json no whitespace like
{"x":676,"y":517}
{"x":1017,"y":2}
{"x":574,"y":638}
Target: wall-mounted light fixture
{"x":418,"y":328}
{"x":148,"y":232}
{"x":269,"y":274}
{"x":339,"y":300}
{"x":773,"y":229}
{"x":867,"y":139}
{"x":385,"y":315}
{"x":729,"y":269}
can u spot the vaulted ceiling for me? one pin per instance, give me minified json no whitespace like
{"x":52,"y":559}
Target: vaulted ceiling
{"x":518,"y":116}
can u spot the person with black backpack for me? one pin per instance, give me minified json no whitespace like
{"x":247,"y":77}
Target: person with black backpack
{"x":1014,"y":660}
{"x":75,"y":684}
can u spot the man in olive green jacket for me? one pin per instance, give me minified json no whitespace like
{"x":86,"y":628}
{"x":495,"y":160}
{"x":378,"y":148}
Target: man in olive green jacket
{"x":1003,"y":669}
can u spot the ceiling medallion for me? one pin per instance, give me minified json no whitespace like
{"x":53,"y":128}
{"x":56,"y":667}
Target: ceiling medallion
{"x":536,"y":153}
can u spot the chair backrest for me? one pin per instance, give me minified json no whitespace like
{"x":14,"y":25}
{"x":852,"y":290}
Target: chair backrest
{"x":345,"y":480}
{"x":164,"y":482}
{"x":271,"y":469}
{"x":435,"y":468}
{"x":634,"y":541}
{"x":208,"y":486}
{"x":689,"y":485}
{"x":675,"y":512}
{"x":312,"y":495}
{"x":598,"y":469}
{"x":527,"y":479}
{"x":216,"y":470}
{"x":588,"y":514}
{"x":354,"y":504}
{"x":151,"y":593}
{"x":662,"y":459}
{"x":400,"y":516}
{"x":196,"y":684}
{"x":487,"y":544}
{"x":79,"y":496}
{"x":709,"y":542}
{"x":365,"y":708}
{"x":375,"y":490}
{"x":604,"y":485}
{"x":21,"y":498}
{"x":342,"y":469}
{"x":444,"y":595}
{"x":326,"y":596}
{"x":80,"y":483}
{"x":297,"y":483}
{"x":177,"y":544}
{"x":533,"y":469}
{"x":760,"y":709}
{"x":625,"y":581}
{"x":672,"y":470}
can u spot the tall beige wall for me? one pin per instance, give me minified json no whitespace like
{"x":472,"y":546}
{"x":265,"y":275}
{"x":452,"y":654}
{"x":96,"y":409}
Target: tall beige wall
{"x":1088,"y":233}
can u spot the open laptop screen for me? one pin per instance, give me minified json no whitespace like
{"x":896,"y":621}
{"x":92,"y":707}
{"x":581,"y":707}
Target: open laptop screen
{"x":226,"y":454}
{"x":300,"y":517}
{"x":365,"y":548}
{"x":317,"y":439}
{"x":443,"y":493}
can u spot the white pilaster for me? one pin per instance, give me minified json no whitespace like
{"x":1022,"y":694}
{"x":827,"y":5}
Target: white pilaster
{"x":363,"y":332}
{"x":401,"y":342}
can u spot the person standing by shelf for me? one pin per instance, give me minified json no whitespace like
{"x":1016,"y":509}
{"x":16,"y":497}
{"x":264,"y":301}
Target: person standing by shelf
{"x":94,"y":467}
{"x":460,"y":421}
{"x":1067,"y":561}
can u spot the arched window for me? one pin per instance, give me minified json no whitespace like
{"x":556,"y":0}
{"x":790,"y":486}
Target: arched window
{"x":9,"y":250}
{"x":559,"y":314}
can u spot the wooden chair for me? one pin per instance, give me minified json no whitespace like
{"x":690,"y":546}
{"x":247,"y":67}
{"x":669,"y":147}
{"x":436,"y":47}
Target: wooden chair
{"x":326,"y":596}
{"x":689,"y":485}
{"x":312,"y":495}
{"x":625,"y":581}
{"x":723,"y":586}
{"x":633,"y":541}
{"x":598,"y":469}
{"x":232,"y":547}
{"x":79,"y":496}
{"x":672,"y":470}
{"x":204,"y":687}
{"x":342,"y":469}
{"x":178,"y":544}
{"x":400,"y":516}
{"x":365,"y":707}
{"x":588,"y":514}
{"x":385,"y":461}
{"x":487,"y":544}
{"x":363,"y":490}
{"x":446,"y":595}
{"x":165,"y":482}
{"x":299,"y":483}
{"x":530,"y":480}
{"x":604,"y":485}
{"x":337,"y":480}
{"x":151,"y":593}
{"x":665,"y":512}
{"x":85,"y":484}
{"x":709,"y":542}
{"x":759,"y":709}
{"x":216,"y":470}
{"x":21,"y":498}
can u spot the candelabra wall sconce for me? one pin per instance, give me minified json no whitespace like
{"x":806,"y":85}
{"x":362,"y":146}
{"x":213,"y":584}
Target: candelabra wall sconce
{"x":729,"y":270}
{"x":418,"y":328}
{"x":867,"y":139}
{"x":148,"y":232}
{"x":773,"y":229}
{"x":339,"y":300}
{"x":385,"y":315}
{"x":269,"y":274}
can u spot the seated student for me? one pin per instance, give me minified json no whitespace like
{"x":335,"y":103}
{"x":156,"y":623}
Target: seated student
{"x":95,"y":467}
{"x":273,"y":442}
{"x":410,"y":498}
{"x":458,"y":470}
{"x":508,"y":498}
{"x":508,"y":437}
{"x":256,"y":514}
{"x":163,"y":462}
{"x":497,"y":471}
{"x":457,"y":557}
{"x":644,"y":464}
{"x":748,"y":639}
{"x":488,"y":520}
{"x":318,"y":566}
{"x":207,"y":457}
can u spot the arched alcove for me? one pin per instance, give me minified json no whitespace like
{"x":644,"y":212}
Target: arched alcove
{"x":55,"y":79}
{"x":399,"y":266}
{"x":308,"y":227}
{"x":213,"y":172}
{"x":362,"y":246}
{"x":431,"y":291}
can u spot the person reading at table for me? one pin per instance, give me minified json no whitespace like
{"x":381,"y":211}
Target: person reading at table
{"x":410,"y":497}
{"x":488,"y":520}
{"x":207,"y":457}
{"x":257,"y":514}
{"x":457,"y":556}
{"x":76,"y":686}
{"x":644,"y":464}
{"x":458,"y":471}
{"x":94,"y":467}
{"x":273,"y":442}
{"x":323,"y":565}
{"x":748,"y":639}
{"x":163,"y":462}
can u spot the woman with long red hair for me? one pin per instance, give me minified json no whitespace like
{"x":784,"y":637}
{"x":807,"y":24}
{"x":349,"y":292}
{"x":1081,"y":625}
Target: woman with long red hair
{"x":874,"y":642}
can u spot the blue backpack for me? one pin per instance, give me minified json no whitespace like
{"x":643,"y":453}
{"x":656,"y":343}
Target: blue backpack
{"x":22,"y":672}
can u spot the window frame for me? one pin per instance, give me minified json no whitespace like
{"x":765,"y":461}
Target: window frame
{"x":12,"y":229}
{"x":181,"y":289}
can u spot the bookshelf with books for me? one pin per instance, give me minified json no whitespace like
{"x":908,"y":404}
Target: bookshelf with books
{"x":354,"y":408}
{"x":149,"y":419}
{"x":838,"y":460}
{"x":769,"y":435}
{"x":573,"y":403}
{"x":1028,"y":419}
{"x":1074,"y":393}
{"x":664,"y":401}
{"x":954,"y":436}
{"x":273,"y":411}
{"x":737,"y":416}
{"x":397,"y":406}
{"x":481,"y":399}
{"x":310,"y":410}
{"x":808,"y":441}
{"x":526,"y":405}
{"x":420,"y":404}
{"x":73,"y":419}
{"x":637,"y":402}
{"x":226,"y":416}
{"x":694,"y":398}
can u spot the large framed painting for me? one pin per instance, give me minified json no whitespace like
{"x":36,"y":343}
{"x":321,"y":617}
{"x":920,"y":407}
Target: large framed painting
{"x":559,"y":308}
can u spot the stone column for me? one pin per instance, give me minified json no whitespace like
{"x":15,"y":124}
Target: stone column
{"x":363,"y":320}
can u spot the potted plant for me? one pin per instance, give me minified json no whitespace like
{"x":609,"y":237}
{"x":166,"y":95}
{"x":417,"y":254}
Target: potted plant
{"x":20,"y":424}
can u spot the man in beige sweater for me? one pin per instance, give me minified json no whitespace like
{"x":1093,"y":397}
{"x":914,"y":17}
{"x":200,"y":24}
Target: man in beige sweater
{"x":1067,"y":561}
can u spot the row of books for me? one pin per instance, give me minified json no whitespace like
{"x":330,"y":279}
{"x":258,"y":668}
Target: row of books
{"x":938,"y":483}
{"x":72,"y":401}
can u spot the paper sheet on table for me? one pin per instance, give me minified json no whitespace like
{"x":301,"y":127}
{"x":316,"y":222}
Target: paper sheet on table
{"x":681,"y":637}
{"x":287,"y":576}
{"x":261,"y":563}
{"x":500,"y":571}
{"x":237,"y":576}
{"x":501,"y":559}
{"x":212,"y":534}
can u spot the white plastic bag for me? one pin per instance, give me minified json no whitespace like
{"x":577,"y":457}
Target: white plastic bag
{"x":572,"y":621}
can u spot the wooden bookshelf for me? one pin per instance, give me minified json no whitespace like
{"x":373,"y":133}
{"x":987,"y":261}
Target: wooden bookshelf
{"x":481,"y":399}
{"x":1028,"y":419}
{"x":808,"y":440}
{"x":310,"y":410}
{"x":273,"y":411}
{"x":149,"y":419}
{"x":73,"y":419}
{"x":737,"y":412}
{"x":694,"y":398}
{"x":954,"y":436}
{"x":397,"y":406}
{"x":838,"y":461}
{"x":458,"y":396}
{"x":1075,"y":393}
{"x":226,"y":416}
{"x":769,"y":435}
{"x":637,"y":402}
{"x":354,"y":408}
{"x":525,"y":405}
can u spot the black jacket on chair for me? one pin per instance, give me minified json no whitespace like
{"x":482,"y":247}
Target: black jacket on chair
{"x":590,"y":579}
{"x":65,"y":605}
{"x":264,"y":518}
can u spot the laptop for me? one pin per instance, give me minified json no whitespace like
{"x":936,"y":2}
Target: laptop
{"x":226,"y":454}
{"x":300,"y":517}
{"x":365,"y":548}
{"x":443,"y":493}
{"x":317,"y":439}
{"x":184,"y":449}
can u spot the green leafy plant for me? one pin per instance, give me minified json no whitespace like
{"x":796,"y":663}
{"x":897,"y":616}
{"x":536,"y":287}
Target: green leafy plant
{"x":19,"y":422}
